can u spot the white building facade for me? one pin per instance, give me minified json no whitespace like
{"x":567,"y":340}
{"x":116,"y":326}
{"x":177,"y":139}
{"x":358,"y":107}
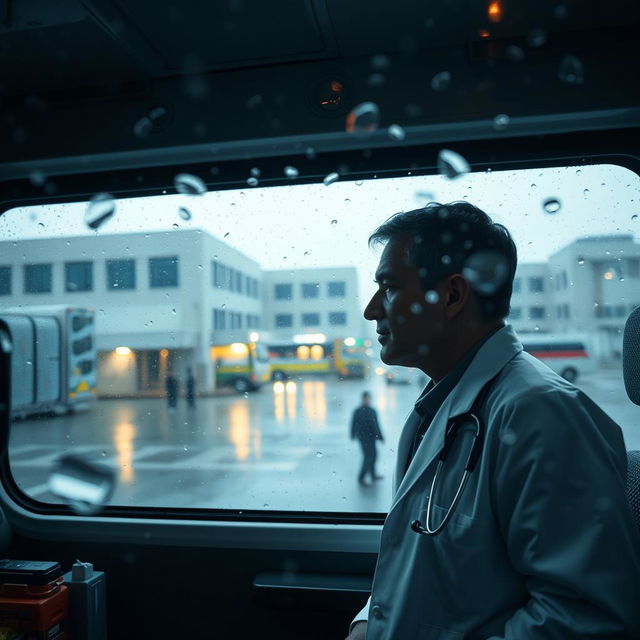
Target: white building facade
{"x":161,"y":299}
{"x":589,"y":287}
{"x":324,"y":301}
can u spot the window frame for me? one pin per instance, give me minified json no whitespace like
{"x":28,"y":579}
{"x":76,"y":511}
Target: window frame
{"x":110,"y":282}
{"x":276,"y":528}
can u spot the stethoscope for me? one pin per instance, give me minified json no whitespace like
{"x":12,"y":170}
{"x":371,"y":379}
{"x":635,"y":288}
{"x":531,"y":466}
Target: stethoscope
{"x":472,"y":460}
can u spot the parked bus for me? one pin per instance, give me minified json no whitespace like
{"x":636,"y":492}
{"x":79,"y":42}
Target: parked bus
{"x":241,"y":365}
{"x":53,"y":359}
{"x":346,"y":357}
{"x":566,"y":355}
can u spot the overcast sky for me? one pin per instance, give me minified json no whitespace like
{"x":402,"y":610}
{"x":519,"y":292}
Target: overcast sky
{"x":291,"y":226}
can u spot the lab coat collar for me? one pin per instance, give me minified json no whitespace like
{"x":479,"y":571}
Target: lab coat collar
{"x":494,"y":354}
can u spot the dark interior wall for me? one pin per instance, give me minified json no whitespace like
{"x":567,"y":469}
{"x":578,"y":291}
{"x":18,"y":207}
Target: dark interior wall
{"x":168,"y":593}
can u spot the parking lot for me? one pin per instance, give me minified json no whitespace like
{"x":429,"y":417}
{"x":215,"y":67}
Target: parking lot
{"x":285,"y":447}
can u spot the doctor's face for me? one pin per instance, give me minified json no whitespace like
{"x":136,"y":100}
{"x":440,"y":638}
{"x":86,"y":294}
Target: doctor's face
{"x":410,"y":323}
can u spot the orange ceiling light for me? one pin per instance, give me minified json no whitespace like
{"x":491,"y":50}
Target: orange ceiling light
{"x":494,"y":11}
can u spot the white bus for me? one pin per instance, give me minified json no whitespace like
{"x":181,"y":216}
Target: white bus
{"x":53,"y":360}
{"x":567,"y":355}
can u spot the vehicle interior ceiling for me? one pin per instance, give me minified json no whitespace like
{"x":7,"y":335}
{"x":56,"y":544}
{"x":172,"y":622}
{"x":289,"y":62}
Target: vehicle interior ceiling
{"x":243,"y":83}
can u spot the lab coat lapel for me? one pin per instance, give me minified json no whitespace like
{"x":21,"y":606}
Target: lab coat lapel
{"x":489,"y":361}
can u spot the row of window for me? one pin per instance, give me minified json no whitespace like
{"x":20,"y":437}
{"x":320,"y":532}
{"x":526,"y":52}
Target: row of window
{"x":535,"y":284}
{"x":284,"y":291}
{"x":614,"y":310}
{"x":563,"y":311}
{"x":78,"y":276}
{"x":224,"y":277}
{"x":284,"y":320}
{"x":225,"y":319}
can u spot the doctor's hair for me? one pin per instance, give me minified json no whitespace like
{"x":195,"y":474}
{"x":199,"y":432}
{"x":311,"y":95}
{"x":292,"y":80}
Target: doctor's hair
{"x":443,"y":239}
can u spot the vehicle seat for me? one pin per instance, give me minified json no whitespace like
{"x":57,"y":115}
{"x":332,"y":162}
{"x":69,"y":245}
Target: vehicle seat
{"x":631,"y":373}
{"x":633,"y":483}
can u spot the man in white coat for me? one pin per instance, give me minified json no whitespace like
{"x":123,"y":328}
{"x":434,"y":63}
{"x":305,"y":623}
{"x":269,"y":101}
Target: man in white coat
{"x":541,"y":543}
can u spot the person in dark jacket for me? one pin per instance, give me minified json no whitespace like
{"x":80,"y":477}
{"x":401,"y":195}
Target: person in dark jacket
{"x":364,"y":427}
{"x":191,"y":389}
{"x":171,"y":385}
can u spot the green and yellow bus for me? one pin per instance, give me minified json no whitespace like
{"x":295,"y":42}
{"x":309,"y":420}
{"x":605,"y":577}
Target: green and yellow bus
{"x":241,"y":365}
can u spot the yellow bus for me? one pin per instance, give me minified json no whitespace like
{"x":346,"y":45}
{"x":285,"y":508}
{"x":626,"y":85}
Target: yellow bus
{"x":241,"y":365}
{"x":346,"y":357}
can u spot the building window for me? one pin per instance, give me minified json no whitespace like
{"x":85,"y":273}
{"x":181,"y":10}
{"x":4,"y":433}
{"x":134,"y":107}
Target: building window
{"x":337,"y":289}
{"x":517,"y":285}
{"x":78,"y":276}
{"x":310,"y":289}
{"x":163,"y":272}
{"x":284,"y":320}
{"x":217,"y":275}
{"x":515,"y":313}
{"x":5,"y":281}
{"x":565,"y":280}
{"x":37,"y":278}
{"x":633,"y":268}
{"x":236,"y":320}
{"x":620,"y":311}
{"x":567,"y":315}
{"x":337,"y":318}
{"x":536,"y":313}
{"x":310,"y":319}
{"x":253,"y":321}
{"x":283,"y":291}
{"x":219,"y":319}
{"x":121,"y":274}
{"x":536,"y":284}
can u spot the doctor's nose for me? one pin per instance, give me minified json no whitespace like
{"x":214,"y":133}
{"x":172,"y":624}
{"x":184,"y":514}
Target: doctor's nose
{"x":374,"y":309}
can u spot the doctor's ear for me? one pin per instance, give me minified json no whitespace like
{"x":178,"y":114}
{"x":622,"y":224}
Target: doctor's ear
{"x":457,"y":295}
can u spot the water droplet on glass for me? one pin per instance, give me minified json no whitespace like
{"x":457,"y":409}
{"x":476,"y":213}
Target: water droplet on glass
{"x":432,"y":297}
{"x":380,"y":62}
{"x":451,"y":164}
{"x":100,"y":209}
{"x":486,"y":271}
{"x":184,"y":213}
{"x":199,"y":266}
{"x":446,"y":259}
{"x":103,"y":454}
{"x":501,"y":121}
{"x":396,"y":132}
{"x":536,"y":37}
{"x":291,"y":172}
{"x":376,"y":80}
{"x":252,"y":182}
{"x":175,"y":226}
{"x":189,"y":185}
{"x":255,"y":172}
{"x":331,"y":178}
{"x":416,"y":308}
{"x":634,"y":217}
{"x":586,"y":192}
{"x":571,"y":70}
{"x":143,"y":127}
{"x":41,"y":224}
{"x":318,"y":454}
{"x":441,"y":81}
{"x":363,"y":119}
{"x":334,"y":222}
{"x":37,"y":178}
{"x":580,"y":260}
{"x":514,"y":53}
{"x":84,"y":486}
{"x":246,"y":394}
{"x":509,"y":438}
{"x":551,"y":205}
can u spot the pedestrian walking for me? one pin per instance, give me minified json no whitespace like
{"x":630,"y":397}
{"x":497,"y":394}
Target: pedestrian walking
{"x":171,"y":385}
{"x":191,"y":389}
{"x":365,"y":427}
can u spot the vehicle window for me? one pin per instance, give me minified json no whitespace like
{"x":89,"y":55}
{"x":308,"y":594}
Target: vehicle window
{"x":224,"y":372}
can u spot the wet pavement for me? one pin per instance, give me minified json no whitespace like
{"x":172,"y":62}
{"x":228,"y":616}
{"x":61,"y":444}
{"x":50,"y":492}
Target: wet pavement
{"x":285,"y":447}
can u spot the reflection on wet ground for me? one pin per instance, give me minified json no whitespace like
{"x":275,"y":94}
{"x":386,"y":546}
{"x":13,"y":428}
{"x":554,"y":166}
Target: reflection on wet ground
{"x":284,"y":447}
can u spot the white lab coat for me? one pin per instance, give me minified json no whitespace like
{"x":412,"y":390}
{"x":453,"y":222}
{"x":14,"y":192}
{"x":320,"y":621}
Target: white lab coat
{"x":542,"y":545}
